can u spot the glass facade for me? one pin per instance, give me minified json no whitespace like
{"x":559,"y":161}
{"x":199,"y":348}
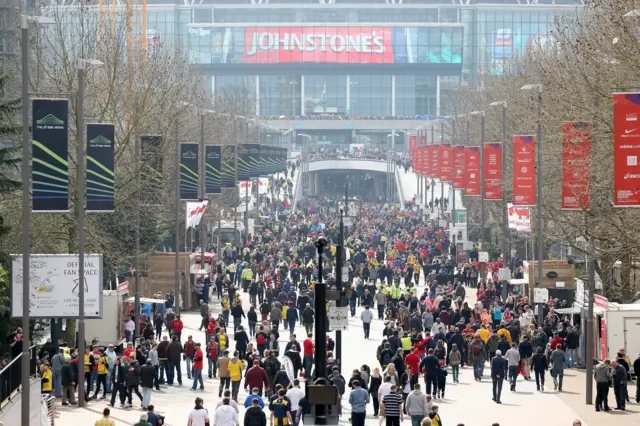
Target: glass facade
{"x":280,"y":95}
{"x":325,"y":94}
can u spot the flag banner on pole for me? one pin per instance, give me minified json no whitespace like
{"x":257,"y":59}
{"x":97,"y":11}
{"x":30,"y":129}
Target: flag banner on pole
{"x":255,"y":162}
{"x":519,"y":218}
{"x":426,"y":160}
{"x":445,"y":162}
{"x":50,"y":169}
{"x":524,"y":170}
{"x":472,"y":172}
{"x":213,"y":181}
{"x":421,"y":160}
{"x":576,"y":165}
{"x":151,"y":169}
{"x":492,"y":171}
{"x":227,"y":164}
{"x":435,"y":161}
{"x":244,"y":167}
{"x":265,"y":165}
{"x":413,"y":144}
{"x":422,"y":141}
{"x":100,"y":167}
{"x":626,"y":149}
{"x":195,"y":211}
{"x":283,"y":160}
{"x":458,"y":166}
{"x":189,"y":171}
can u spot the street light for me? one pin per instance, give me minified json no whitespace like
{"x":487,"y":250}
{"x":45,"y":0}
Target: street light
{"x":505,"y":213}
{"x":82,"y":64}
{"x":482,"y":224}
{"x":538,"y":88}
{"x":26,"y":248}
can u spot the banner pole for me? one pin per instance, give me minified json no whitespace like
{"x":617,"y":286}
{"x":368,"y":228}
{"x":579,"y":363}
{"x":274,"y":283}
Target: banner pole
{"x":177,"y":276}
{"x":80,"y":208}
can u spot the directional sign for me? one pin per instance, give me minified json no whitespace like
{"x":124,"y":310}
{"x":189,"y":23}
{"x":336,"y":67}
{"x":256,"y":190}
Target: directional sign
{"x":345,"y":274}
{"x":338,"y":318}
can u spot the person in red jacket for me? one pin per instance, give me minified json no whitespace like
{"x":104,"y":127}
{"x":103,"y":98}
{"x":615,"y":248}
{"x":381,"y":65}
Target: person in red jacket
{"x":412,"y":361}
{"x":211,"y":329}
{"x":557,"y":340}
{"x":256,"y":377}
{"x":189,"y":352}
{"x":212,"y":356}
{"x":198,"y":363}
{"x":177,"y":326}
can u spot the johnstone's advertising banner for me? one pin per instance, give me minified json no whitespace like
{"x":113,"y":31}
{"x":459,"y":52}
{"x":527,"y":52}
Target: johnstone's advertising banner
{"x":472,"y":175}
{"x":626,"y":149}
{"x":213,"y":182}
{"x":228,"y":166}
{"x":100,"y":167}
{"x":492,"y":171}
{"x":445,"y":162}
{"x":576,"y":165}
{"x":458,"y":166}
{"x":524,"y":170}
{"x":50,"y":167}
{"x":189,"y":171}
{"x":435,"y":161}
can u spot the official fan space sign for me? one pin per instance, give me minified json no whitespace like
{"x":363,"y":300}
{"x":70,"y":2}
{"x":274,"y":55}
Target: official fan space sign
{"x":54,"y":286}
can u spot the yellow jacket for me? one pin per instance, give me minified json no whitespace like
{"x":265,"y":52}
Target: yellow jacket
{"x":235,"y":369}
{"x":505,"y":332}
{"x":47,"y":385}
{"x":484,"y":334}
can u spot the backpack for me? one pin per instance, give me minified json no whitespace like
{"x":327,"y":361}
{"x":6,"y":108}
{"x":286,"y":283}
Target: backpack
{"x":476,"y":350}
{"x":385,"y":358}
{"x":260,"y":340}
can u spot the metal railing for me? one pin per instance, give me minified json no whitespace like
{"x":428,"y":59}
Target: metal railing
{"x":47,"y":410}
{"x":10,"y":377}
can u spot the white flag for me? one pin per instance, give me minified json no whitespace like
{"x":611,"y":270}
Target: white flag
{"x":195,"y":211}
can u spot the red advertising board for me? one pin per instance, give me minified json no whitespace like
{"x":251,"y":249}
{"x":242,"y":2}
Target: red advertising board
{"x":492,"y":171}
{"x":626,"y":149}
{"x":417,"y":165}
{"x":458,"y":167}
{"x":412,"y":152}
{"x":358,"y":45}
{"x":426,"y":160}
{"x":576,"y":165}
{"x":445,"y":162}
{"x":524,"y":170}
{"x":472,"y":173}
{"x":435,"y":161}
{"x":423,"y":140}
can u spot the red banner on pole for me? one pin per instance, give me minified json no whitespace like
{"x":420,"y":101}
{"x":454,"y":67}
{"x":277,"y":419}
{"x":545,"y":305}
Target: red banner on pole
{"x":524,"y":170}
{"x":419,"y":165}
{"x":412,"y":150}
{"x":472,"y":174}
{"x":626,"y":149}
{"x":458,"y":167}
{"x":492,"y":171}
{"x":445,"y":162}
{"x":576,"y":166}
{"x":435,"y":161}
{"x":426,"y":160}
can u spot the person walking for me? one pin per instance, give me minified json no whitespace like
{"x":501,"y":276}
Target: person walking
{"x":513,"y":360}
{"x":143,"y":420}
{"x":499,"y":367}
{"x":602,"y":376}
{"x":174,"y":351}
{"x":57,"y":361}
{"x":417,"y":406}
{"x":540,"y":366}
{"x":254,"y":416}
{"x":392,"y":406}
{"x":225,"y":415}
{"x":68,"y":380}
{"x":558,"y":359}
{"x":199,"y":416}
{"x":367,"y":317}
{"x":235,"y":373}
{"x":619,"y":385}
{"x":105,"y":420}
{"x":118,"y":382}
{"x":374,"y":386}
{"x":198,"y":365}
{"x":147,"y":379}
{"x":358,"y":399}
{"x":477,"y":354}
{"x":132,"y":380}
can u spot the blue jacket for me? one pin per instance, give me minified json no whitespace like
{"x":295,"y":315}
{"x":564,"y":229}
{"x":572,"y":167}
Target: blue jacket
{"x":247,"y":401}
{"x":292,"y":314}
{"x":499,"y":367}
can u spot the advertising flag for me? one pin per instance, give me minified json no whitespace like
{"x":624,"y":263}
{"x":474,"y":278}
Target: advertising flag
{"x":189,"y":171}
{"x":283,"y":159}
{"x":50,"y":170}
{"x":445,"y":162}
{"x":100,"y":168}
{"x":213,"y":181}
{"x":195,"y":211}
{"x":576,"y":165}
{"x":255,"y":162}
{"x":524,"y":170}
{"x":492,"y":171}
{"x":413,"y":143}
{"x":472,"y":173}
{"x":458,"y":166}
{"x":426,"y":160}
{"x":244,"y":167}
{"x":151,"y":169}
{"x":519,"y":218}
{"x":227,"y":164}
{"x":626,"y":149}
{"x":435,"y":161}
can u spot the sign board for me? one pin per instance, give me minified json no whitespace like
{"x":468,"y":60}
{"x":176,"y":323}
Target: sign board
{"x":338,"y":318}
{"x":504,"y":274}
{"x":600,"y":301}
{"x":483,"y":256}
{"x":560,"y":284}
{"x":54,"y":286}
{"x":540,"y":295}
{"x":123,"y":288}
{"x":288,"y":368}
{"x":345,"y":274}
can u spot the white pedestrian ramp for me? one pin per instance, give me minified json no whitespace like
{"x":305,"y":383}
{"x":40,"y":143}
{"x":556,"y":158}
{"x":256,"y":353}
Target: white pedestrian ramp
{"x":409,"y":184}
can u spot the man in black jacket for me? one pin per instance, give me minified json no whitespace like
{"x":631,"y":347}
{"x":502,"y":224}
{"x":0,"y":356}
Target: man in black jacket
{"x":254,"y":416}
{"x":499,"y":367}
{"x":430,"y":365}
{"x":133,"y":381}
{"x":68,"y":380}
{"x":118,"y":382}
{"x":147,"y":379}
{"x":619,"y":384}
{"x":174,"y":351}
{"x":636,"y":370}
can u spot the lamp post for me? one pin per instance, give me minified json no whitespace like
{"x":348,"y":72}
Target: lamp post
{"x":538,"y":88}
{"x":177,"y":276}
{"x":26,"y":247}
{"x":505,"y":213}
{"x":82,"y":63}
{"x":482,"y":141}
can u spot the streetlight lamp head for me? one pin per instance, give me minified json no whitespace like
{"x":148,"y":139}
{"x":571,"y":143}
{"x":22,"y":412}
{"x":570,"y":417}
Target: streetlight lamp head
{"x":496,"y":103}
{"x":633,"y":14}
{"x":476,"y":113}
{"x":537,"y":87}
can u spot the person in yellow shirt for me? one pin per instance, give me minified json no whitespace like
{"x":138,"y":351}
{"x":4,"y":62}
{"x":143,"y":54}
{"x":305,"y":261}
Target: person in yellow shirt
{"x":484,"y":333}
{"x":47,"y":379}
{"x":103,"y":371}
{"x":236,"y":366}
{"x":105,"y":420}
